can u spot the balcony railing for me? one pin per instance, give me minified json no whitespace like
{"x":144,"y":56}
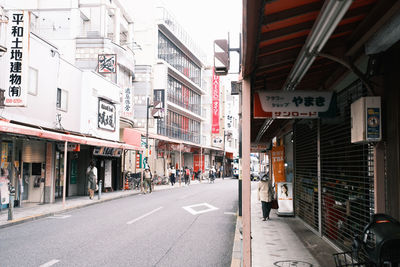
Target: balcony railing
{"x":179,"y":32}
{"x":178,"y":133}
{"x":195,"y":108}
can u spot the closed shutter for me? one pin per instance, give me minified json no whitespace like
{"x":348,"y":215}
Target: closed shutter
{"x":347,"y":174}
{"x":306,"y":183}
{"x":33,"y":152}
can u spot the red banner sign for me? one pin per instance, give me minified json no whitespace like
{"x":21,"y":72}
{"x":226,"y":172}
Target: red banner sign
{"x":215,"y":104}
{"x":198,"y":162}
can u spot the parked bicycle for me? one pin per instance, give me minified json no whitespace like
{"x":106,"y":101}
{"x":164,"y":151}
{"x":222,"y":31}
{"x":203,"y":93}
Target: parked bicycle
{"x":379,"y":245}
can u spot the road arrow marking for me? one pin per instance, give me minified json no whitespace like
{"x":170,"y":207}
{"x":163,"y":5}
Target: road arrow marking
{"x":49,"y":263}
{"x":191,"y":209}
{"x":144,"y":216}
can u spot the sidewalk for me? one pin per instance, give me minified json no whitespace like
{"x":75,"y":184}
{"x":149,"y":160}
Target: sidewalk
{"x":282,"y":241}
{"x":33,"y":211}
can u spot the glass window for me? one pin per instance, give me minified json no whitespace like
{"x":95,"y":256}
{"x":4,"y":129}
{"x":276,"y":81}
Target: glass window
{"x":62,"y":99}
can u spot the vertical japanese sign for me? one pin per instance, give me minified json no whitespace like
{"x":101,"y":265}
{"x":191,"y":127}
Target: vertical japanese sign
{"x":127,"y":110}
{"x":106,"y":117}
{"x":278,"y":164}
{"x":18,"y":32}
{"x":215,"y":103}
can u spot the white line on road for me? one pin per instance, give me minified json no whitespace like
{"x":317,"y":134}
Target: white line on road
{"x":60,"y":216}
{"x":229,"y":213}
{"x":144,"y":216}
{"x":50,"y":263}
{"x":207,"y":206}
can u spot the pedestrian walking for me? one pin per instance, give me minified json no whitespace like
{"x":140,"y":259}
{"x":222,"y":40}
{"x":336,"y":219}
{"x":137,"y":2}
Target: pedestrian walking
{"x":172,"y":174}
{"x":91,"y":173}
{"x":147,"y":175}
{"x":265,"y":194}
{"x":187,"y":175}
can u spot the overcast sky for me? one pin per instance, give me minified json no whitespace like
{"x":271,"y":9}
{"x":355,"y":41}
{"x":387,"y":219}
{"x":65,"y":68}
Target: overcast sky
{"x":207,"y":20}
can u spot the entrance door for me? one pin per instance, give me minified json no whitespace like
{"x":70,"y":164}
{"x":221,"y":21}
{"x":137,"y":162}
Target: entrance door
{"x":59,"y":174}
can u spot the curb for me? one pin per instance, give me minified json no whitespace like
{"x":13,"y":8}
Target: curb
{"x":237,"y":245}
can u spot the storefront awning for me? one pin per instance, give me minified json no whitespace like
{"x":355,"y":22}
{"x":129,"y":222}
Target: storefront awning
{"x":12,"y":128}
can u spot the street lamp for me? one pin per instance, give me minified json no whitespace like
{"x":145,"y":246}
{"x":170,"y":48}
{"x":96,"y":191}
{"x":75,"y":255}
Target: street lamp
{"x":157,"y":113}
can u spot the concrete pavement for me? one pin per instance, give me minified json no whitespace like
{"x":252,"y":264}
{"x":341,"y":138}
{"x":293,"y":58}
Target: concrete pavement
{"x":281,"y":241}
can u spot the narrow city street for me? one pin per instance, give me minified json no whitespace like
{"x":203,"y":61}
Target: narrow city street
{"x":187,"y":226}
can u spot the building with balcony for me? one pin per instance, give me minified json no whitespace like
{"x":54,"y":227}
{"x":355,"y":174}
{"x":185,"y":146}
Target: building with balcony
{"x":169,"y":70}
{"x":60,"y":110}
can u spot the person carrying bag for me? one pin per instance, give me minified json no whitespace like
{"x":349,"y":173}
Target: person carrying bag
{"x":266,"y":195}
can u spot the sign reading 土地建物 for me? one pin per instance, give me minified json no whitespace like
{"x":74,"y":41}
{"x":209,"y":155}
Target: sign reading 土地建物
{"x":289,"y":105}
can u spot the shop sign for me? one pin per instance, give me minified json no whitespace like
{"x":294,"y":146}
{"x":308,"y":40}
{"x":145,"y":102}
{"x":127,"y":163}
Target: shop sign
{"x":70,"y":147}
{"x":127,"y":103}
{"x":106,"y":118}
{"x":278,"y":163}
{"x":18,"y":31}
{"x":373,"y":124}
{"x":258,"y":148}
{"x":217,"y":141}
{"x":107,"y":151}
{"x":138,"y":161}
{"x":215,"y":104}
{"x":107,"y":174}
{"x":291,"y":105}
{"x":107,"y":63}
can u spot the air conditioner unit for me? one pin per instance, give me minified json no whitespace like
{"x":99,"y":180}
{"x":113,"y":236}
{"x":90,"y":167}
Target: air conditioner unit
{"x":366,"y":120}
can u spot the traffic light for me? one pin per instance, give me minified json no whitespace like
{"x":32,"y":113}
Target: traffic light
{"x":221,"y":57}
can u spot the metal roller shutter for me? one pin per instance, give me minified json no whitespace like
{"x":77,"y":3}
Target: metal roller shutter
{"x":346,"y":173}
{"x":306,"y":183}
{"x":33,"y":151}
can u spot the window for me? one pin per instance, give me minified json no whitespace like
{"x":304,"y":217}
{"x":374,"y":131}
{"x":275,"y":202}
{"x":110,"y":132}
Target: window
{"x":33,"y":81}
{"x":62,"y":99}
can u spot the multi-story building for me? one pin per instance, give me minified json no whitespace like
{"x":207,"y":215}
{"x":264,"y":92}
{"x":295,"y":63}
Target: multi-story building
{"x":66,"y":87}
{"x":169,"y":71}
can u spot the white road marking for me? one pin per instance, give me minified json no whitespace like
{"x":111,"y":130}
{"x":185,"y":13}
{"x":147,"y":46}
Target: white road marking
{"x":144,"y":216}
{"x":60,"y":216}
{"x":195,"y":212}
{"x":229,"y":213}
{"x":50,"y":263}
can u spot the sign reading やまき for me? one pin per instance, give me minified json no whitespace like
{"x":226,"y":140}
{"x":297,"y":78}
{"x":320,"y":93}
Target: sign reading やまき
{"x":289,"y":105}
{"x":18,"y":47}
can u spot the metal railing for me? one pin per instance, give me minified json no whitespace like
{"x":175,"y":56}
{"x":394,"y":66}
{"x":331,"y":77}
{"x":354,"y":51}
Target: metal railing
{"x":195,"y":108}
{"x":178,"y":133}
{"x":179,"y":32}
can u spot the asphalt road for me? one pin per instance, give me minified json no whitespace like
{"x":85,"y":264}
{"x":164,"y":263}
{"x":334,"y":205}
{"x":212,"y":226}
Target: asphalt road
{"x":188,"y":226}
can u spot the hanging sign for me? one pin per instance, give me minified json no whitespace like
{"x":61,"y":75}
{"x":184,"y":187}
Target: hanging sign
{"x":127,"y":103}
{"x":18,"y":32}
{"x":217,"y":141}
{"x":106,"y":118}
{"x":107,"y":151}
{"x":107,"y":63}
{"x":278,"y":164}
{"x":290,"y":104}
{"x":215,"y":104}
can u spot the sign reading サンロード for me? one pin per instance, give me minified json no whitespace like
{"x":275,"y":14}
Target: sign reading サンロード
{"x":289,"y":105}
{"x":18,"y":45}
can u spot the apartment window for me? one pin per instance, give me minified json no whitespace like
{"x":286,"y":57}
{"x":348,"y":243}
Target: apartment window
{"x":62,"y":99}
{"x":33,"y":81}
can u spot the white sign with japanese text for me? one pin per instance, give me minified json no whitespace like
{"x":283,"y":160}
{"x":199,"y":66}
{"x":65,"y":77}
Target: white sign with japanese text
{"x":127,"y":107}
{"x":107,"y":63}
{"x":289,"y":105}
{"x":18,"y":49}
{"x":106,"y":118}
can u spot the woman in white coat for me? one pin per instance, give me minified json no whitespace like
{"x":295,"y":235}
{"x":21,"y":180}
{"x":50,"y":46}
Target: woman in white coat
{"x":265,"y":194}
